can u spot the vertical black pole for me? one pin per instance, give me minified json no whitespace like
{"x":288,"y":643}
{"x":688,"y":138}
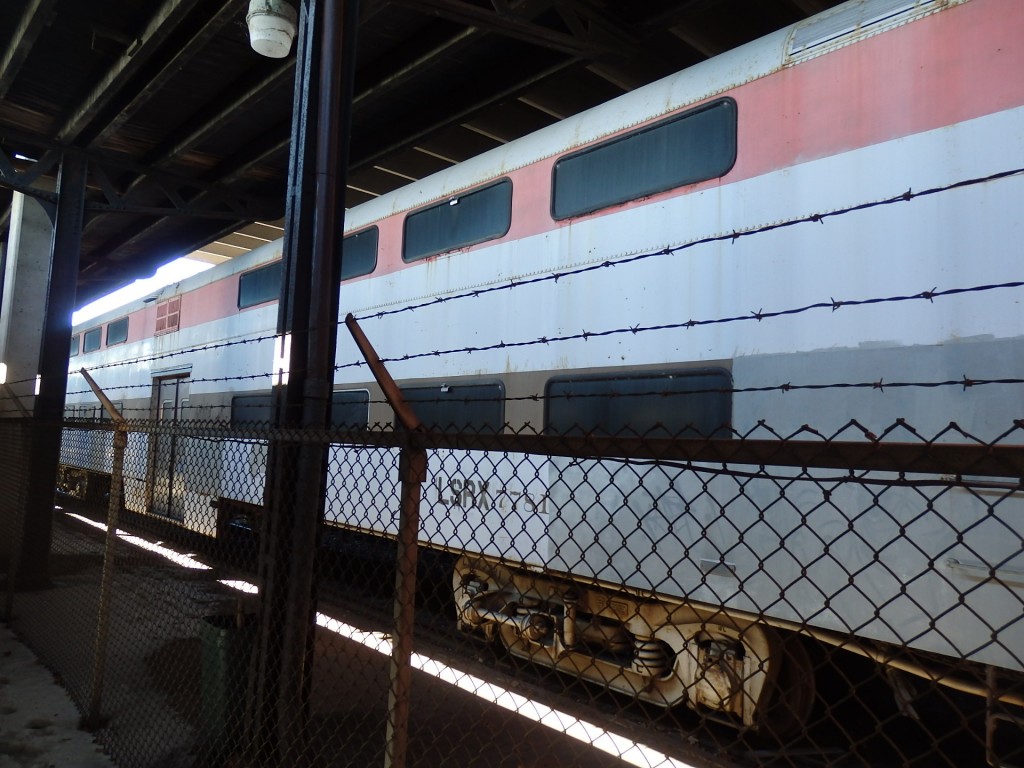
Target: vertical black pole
{"x":309,"y":312}
{"x":293,"y":318}
{"x":53,"y":371}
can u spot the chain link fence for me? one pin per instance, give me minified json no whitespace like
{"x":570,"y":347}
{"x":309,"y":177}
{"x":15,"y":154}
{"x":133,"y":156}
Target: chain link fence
{"x":579,"y":599}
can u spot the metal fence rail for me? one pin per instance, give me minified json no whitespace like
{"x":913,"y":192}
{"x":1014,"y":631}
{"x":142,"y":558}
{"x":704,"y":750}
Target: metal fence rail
{"x":837,"y":600}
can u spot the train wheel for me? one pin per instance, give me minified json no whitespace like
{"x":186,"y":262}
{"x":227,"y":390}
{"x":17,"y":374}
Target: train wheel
{"x":789,"y":704}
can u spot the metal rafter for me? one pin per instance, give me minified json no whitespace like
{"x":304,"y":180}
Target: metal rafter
{"x":171,"y":66}
{"x":162,"y":24}
{"x":106,"y":270}
{"x":231,"y":101}
{"x":36,"y":14}
{"x":809,"y":7}
{"x":275,"y":141}
{"x":699,"y":42}
{"x":208,"y":199}
{"x":625,"y":44}
{"x":676,"y":14}
{"x":189,"y":138}
{"x":405,"y":73}
{"x":24,"y":180}
{"x":446,"y":112}
{"x":589,"y":37}
{"x":232,"y":169}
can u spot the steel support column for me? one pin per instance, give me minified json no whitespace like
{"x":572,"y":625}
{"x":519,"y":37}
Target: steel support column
{"x":53,"y":372}
{"x":296,"y":481}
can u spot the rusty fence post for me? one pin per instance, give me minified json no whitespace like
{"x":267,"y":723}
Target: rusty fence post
{"x":94,"y":717}
{"x":412,"y":468}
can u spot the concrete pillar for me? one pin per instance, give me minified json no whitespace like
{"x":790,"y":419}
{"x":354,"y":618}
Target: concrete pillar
{"x":23,"y":305}
{"x":26,"y":273}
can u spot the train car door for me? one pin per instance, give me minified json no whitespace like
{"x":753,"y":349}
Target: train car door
{"x":170,"y":399}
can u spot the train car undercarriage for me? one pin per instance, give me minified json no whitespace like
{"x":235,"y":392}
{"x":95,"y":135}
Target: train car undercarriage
{"x":727,"y":667}
{"x":742,"y":673}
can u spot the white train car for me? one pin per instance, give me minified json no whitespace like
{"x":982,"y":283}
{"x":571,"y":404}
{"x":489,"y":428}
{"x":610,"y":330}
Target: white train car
{"x":712,"y":234}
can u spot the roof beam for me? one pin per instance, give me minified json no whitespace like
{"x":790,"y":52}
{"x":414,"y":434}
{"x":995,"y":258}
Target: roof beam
{"x":183,"y":141}
{"x":171,"y":66}
{"x":237,"y":96}
{"x":105,"y":274}
{"x":162,"y":24}
{"x":448,"y":111}
{"x":405,"y":73}
{"x":510,"y":24}
{"x":677,"y":13}
{"x":810,"y":7}
{"x":26,"y":180}
{"x":36,"y":14}
{"x":271,"y":143}
{"x":175,"y":195}
{"x":700,"y":43}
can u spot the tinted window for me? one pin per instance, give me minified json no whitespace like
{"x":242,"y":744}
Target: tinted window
{"x":692,"y":403}
{"x":260,"y":285}
{"x":248,"y":409}
{"x":102,"y":412}
{"x":459,"y":221}
{"x":117,"y":331}
{"x":359,"y":253}
{"x":91,"y":340}
{"x":74,"y":344}
{"x":350,"y":410}
{"x":461,"y":408}
{"x":80,"y":412}
{"x":691,"y":147}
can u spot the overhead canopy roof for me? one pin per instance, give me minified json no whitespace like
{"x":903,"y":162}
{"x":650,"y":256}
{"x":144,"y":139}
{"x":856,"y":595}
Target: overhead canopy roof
{"x":187,"y":129}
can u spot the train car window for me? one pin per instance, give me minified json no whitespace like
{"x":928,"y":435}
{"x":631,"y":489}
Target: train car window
{"x":350,"y":409}
{"x":252,"y":409}
{"x":117,"y":331}
{"x":684,"y":149}
{"x":75,"y":340}
{"x":359,"y":253}
{"x":259,"y":285}
{"x":484,"y":214}
{"x":477,"y":408}
{"x":103,"y":415}
{"x":686,"y":403}
{"x":91,"y":340}
{"x":82,"y":413}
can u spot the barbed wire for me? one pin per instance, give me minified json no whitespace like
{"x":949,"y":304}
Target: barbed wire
{"x":754,"y":315}
{"x":832,"y":304}
{"x":879,"y":385}
{"x":624,"y":261}
{"x":185,"y":351}
{"x":816,"y":218}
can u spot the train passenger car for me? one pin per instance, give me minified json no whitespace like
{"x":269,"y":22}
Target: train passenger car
{"x":745,"y":225}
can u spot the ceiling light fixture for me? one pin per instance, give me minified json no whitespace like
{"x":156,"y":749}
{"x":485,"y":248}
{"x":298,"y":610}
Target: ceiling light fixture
{"x":271,"y":27}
